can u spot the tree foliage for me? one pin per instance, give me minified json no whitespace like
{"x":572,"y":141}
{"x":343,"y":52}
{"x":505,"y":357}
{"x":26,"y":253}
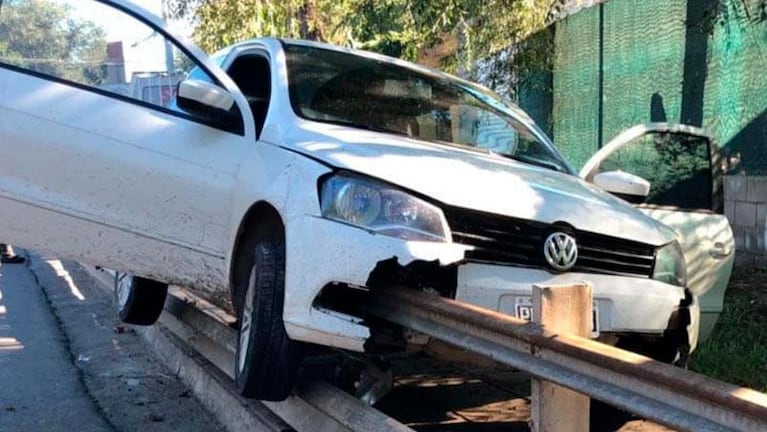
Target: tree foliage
{"x":453,"y":32}
{"x":222,"y":22}
{"x":447,"y":33}
{"x":43,"y":36}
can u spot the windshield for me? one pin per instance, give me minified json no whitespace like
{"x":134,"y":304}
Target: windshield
{"x":337,"y":87}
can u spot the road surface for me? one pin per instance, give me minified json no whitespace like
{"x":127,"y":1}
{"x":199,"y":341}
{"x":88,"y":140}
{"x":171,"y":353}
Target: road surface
{"x":67,"y":364}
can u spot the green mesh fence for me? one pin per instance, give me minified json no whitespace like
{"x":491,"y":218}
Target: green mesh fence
{"x":576,"y":86}
{"x":701,"y":62}
{"x":643,"y":64}
{"x":735,"y":103}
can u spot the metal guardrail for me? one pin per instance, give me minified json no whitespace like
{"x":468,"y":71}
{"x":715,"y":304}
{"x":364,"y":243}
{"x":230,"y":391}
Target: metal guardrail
{"x":316,"y":405}
{"x":660,"y":392}
{"x":657,"y":391}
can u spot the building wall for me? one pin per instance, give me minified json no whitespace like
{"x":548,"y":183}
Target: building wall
{"x":746,"y":208}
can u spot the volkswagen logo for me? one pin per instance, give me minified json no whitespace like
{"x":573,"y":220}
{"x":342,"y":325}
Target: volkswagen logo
{"x":560,"y":251}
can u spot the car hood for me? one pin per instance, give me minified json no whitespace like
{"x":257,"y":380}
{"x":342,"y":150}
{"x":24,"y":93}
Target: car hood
{"x":473,"y":180}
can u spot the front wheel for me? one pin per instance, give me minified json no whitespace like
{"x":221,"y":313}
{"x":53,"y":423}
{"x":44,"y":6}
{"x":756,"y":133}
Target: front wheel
{"x":267,"y":361}
{"x":671,"y":350}
{"x":139,"y":301}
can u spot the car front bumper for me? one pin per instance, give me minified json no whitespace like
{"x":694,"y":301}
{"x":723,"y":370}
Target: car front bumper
{"x":625,"y":304}
{"x":321,"y":252}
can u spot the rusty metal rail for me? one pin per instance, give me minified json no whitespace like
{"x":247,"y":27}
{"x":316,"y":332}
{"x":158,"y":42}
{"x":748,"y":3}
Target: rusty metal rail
{"x":657,"y":391}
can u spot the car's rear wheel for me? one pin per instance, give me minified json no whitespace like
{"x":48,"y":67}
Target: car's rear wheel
{"x":139,"y":301}
{"x":267,"y":361}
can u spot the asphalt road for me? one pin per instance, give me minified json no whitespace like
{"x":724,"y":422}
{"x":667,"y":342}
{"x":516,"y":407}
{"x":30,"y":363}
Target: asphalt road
{"x":66,"y":363}
{"x":41,"y":388}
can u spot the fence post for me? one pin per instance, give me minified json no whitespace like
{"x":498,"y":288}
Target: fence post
{"x":561,"y":309}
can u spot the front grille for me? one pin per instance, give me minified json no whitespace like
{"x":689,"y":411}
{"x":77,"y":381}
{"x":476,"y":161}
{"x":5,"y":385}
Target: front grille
{"x":504,"y":240}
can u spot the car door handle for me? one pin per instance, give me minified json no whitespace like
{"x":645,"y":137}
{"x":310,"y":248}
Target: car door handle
{"x":719,"y":251}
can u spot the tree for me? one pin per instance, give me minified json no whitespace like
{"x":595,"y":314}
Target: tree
{"x":455,"y":32}
{"x":450,"y":34}
{"x":43,"y":36}
{"x":223,"y":22}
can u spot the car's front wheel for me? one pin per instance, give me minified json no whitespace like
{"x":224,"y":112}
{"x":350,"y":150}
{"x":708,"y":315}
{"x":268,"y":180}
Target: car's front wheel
{"x":267,"y":361}
{"x":672,"y":348}
{"x":139,"y":301}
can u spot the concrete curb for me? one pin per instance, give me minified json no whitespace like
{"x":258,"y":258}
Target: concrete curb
{"x":132,"y":388}
{"x":209,"y":384}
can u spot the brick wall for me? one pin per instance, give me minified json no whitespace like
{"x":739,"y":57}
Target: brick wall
{"x":746,"y":208}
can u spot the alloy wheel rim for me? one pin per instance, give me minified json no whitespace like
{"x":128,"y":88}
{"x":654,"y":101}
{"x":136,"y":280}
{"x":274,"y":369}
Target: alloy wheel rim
{"x":247,"y":322}
{"x":124,"y":282}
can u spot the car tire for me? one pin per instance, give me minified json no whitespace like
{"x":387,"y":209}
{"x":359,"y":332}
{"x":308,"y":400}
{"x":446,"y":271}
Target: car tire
{"x":139,"y":301}
{"x":674,"y":353}
{"x":666,"y":350}
{"x":267,"y":361}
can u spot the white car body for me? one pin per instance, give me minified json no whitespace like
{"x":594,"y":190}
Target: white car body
{"x":122,"y":185}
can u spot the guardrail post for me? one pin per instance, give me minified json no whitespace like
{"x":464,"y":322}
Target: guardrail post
{"x":561,"y":309}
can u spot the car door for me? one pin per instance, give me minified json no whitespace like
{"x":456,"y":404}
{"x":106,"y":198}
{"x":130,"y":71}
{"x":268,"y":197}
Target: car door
{"x":97,"y":161}
{"x":681,"y":164}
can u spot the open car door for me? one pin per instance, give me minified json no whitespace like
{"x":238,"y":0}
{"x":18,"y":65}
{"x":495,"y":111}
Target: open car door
{"x":685,"y":193}
{"x":116,"y":138}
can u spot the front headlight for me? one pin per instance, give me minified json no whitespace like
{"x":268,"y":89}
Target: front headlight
{"x":670,"y":266}
{"x":381,"y":208}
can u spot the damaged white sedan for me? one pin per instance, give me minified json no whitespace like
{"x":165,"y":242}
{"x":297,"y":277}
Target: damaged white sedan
{"x":288,"y":174}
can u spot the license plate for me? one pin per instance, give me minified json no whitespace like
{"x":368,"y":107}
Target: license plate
{"x":523,"y":309}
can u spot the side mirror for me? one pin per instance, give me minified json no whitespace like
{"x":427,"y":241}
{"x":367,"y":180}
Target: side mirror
{"x":208,"y":101}
{"x":625,"y":185}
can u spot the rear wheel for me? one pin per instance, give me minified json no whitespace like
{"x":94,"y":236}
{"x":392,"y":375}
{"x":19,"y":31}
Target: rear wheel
{"x":267,"y":361}
{"x":139,"y":301}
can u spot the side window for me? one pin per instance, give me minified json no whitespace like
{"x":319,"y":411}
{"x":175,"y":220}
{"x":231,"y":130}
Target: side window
{"x":196,"y":73}
{"x":93,"y":45}
{"x":252,"y":75}
{"x":677,"y":165}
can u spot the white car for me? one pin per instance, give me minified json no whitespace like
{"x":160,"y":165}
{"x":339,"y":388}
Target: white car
{"x":289,"y":174}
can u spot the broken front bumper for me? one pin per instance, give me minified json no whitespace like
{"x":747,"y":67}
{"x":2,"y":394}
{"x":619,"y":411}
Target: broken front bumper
{"x":321,"y":252}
